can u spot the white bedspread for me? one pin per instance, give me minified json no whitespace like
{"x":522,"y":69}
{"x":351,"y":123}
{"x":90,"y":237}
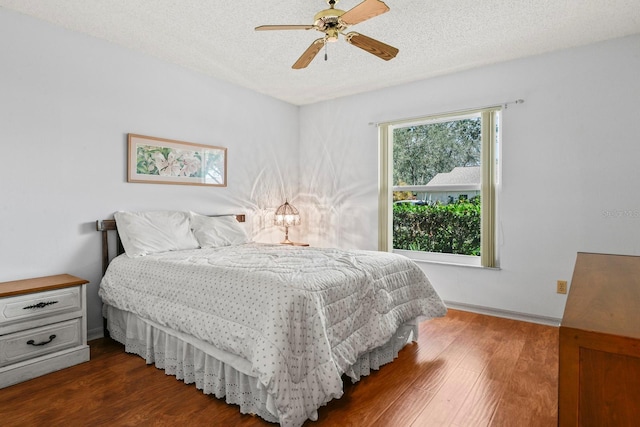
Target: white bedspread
{"x":300,"y":315}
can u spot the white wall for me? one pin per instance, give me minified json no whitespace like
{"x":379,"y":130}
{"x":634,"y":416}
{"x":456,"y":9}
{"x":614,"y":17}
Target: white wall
{"x":570,"y":170}
{"x":67,"y":102}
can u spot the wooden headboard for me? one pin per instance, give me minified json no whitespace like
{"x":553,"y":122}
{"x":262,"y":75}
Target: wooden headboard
{"x":106,"y":225}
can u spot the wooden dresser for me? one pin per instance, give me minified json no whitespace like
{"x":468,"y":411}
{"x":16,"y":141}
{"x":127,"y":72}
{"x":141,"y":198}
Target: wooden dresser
{"x":599,"y":377}
{"x":43,"y":326}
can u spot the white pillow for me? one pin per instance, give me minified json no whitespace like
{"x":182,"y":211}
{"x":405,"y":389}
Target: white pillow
{"x":144,"y":233}
{"x":215,"y":231}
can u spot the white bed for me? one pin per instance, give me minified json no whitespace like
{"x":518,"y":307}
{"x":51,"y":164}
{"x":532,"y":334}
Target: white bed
{"x":271,"y":328}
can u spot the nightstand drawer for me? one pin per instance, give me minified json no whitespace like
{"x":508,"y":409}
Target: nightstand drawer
{"x":25,"y":307}
{"x":36,"y":342}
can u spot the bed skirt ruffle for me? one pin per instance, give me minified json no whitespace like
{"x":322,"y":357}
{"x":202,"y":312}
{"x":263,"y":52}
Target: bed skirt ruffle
{"x":217,"y":372}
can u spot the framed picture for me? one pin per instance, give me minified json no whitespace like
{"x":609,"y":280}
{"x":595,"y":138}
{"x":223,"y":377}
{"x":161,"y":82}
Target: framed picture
{"x":165,"y":161}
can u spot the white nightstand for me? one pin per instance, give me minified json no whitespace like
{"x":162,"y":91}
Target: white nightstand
{"x":43,"y":326}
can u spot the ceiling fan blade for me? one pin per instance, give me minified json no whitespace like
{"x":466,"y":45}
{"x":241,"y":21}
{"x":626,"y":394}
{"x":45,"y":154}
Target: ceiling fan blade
{"x":309,"y":54}
{"x":363,"y":11}
{"x":379,"y":49}
{"x":284,"y":27}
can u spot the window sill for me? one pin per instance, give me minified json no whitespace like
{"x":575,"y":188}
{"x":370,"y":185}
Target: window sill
{"x":444,"y":259}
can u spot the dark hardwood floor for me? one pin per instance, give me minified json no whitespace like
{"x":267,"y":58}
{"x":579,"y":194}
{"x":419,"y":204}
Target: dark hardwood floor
{"x":466,"y":370}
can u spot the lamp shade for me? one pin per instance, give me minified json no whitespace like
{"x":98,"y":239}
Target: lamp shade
{"x":286,"y":216}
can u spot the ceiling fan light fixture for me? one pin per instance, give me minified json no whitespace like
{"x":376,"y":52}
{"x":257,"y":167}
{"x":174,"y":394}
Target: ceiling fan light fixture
{"x":332,"y":36}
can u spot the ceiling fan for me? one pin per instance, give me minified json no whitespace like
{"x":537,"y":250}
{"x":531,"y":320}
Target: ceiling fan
{"x":333,"y":22}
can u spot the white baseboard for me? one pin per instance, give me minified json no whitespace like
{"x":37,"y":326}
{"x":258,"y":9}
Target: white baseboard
{"x":94,"y":334}
{"x":525,"y":317}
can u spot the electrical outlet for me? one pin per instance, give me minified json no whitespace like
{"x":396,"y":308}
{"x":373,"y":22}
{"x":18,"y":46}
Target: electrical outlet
{"x":562,"y":287}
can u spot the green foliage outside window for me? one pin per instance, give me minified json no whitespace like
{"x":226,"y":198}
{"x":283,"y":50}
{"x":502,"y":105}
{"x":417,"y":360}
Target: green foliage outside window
{"x":453,"y":228}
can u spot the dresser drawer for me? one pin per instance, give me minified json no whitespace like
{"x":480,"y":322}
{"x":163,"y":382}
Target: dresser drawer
{"x":36,"y":342}
{"x":42,"y":304}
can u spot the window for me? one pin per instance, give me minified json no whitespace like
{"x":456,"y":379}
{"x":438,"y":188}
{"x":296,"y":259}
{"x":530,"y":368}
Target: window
{"x":438,"y":179}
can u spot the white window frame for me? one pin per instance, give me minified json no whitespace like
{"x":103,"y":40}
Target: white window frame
{"x":490,"y":144}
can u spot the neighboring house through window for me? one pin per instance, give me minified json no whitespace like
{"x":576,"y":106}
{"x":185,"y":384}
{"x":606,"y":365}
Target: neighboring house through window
{"x":463,"y":182}
{"x":438,"y":179}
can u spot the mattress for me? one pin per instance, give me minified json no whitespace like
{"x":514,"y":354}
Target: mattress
{"x":298,"y":317}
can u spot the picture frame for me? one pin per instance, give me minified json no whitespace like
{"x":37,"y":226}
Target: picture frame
{"x":166,"y":161}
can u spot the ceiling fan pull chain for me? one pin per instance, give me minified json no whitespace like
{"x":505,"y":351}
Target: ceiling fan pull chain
{"x":325,"y":51}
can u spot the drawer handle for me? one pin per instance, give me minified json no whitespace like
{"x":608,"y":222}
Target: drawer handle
{"x":33,"y":343}
{"x":40,"y":305}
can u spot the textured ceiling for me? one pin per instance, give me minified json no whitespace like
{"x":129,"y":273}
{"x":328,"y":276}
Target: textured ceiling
{"x":435,"y":37}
